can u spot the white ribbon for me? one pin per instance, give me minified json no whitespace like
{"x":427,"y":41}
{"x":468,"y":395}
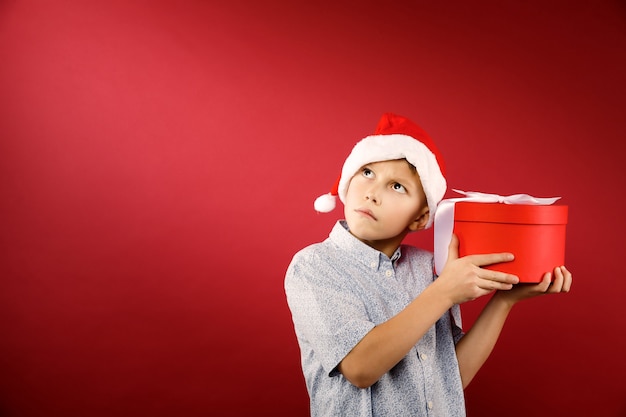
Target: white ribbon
{"x":444,"y":217}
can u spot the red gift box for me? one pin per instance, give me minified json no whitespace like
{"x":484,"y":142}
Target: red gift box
{"x":535,"y":234}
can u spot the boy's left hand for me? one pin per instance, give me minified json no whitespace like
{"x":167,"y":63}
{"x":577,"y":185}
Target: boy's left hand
{"x":562,"y":283}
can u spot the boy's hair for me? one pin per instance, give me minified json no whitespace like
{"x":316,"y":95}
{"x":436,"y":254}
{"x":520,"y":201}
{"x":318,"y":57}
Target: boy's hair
{"x":413,"y":168}
{"x":395,"y":137}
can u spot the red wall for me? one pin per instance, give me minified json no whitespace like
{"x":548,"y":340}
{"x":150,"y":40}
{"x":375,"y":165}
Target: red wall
{"x":159,"y":161}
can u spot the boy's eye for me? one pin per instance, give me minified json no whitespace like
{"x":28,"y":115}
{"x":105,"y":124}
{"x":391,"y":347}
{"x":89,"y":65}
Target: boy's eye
{"x":368,"y":173}
{"x":399,"y":187}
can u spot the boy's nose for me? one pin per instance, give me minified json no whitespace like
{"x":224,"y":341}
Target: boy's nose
{"x":371,"y":195}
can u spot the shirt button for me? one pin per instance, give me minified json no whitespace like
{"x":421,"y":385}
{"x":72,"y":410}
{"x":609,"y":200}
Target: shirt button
{"x":373,"y":264}
{"x":388,"y":272}
{"x":424,"y":356}
{"x":430,"y":405}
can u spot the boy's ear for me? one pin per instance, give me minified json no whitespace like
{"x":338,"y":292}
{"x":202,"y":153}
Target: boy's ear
{"x":420,"y":222}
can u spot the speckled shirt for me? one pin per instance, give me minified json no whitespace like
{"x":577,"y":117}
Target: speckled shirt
{"x":337,"y":291}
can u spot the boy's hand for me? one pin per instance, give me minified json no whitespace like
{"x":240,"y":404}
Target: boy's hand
{"x":562,"y":283}
{"x":463,"y":279}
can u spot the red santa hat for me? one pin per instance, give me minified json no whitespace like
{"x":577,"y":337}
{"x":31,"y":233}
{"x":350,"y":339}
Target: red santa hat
{"x":395,"y":137}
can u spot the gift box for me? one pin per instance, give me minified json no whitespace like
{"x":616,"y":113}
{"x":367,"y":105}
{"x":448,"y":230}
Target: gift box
{"x":535,"y":234}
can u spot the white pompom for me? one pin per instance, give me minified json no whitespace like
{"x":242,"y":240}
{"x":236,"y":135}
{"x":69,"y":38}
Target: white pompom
{"x":325,"y":203}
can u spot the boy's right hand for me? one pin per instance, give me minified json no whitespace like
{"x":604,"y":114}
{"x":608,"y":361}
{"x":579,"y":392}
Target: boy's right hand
{"x":463,"y":279}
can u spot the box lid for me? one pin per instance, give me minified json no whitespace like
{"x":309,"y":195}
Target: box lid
{"x":510,"y":213}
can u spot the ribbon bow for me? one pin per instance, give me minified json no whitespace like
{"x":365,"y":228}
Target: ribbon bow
{"x":444,"y":217}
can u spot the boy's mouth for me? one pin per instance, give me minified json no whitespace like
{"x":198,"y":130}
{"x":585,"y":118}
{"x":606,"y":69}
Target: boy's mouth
{"x":367,"y":213}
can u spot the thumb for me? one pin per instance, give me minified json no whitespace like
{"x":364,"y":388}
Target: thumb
{"x":453,"y":248}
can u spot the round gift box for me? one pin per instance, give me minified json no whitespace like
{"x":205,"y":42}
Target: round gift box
{"x":534,"y":234}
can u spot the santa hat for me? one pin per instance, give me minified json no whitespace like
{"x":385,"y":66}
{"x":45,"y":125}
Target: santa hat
{"x":395,"y":137}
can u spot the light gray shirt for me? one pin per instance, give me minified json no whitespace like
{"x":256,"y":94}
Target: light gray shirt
{"x":337,"y":291}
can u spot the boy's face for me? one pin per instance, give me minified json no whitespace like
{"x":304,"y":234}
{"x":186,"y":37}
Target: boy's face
{"x":384,"y":201}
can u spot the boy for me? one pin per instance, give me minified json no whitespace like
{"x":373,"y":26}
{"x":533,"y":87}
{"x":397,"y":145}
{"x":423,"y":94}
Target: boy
{"x":378,"y":334}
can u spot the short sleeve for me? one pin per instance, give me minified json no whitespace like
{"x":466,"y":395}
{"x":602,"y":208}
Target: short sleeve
{"x":328,"y":317}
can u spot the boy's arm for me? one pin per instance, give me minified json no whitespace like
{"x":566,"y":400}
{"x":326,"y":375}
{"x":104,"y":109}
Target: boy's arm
{"x":476,"y":346}
{"x":386,"y":344}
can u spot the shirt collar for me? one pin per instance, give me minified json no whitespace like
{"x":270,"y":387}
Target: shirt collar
{"x":370,"y":257}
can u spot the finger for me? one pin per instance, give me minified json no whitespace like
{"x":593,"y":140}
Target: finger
{"x":567,"y":279}
{"x":557,"y":283}
{"x":490,"y":258}
{"x":546,"y":282}
{"x":453,"y":248}
{"x":490,"y":285}
{"x":497,"y":277}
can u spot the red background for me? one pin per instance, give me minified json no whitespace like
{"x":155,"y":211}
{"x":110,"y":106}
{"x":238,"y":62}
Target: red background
{"x":159,"y":161}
